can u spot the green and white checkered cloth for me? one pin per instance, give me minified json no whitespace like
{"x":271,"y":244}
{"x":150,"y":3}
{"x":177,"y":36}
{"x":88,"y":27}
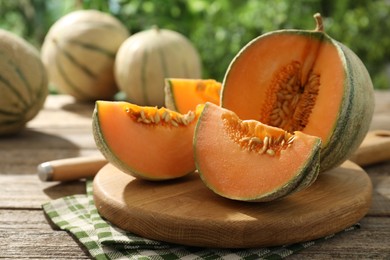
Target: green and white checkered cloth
{"x":78,"y":215}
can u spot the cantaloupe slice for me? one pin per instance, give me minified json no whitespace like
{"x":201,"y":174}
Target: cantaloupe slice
{"x":183,"y":95}
{"x":249,"y":161}
{"x":146,"y":142}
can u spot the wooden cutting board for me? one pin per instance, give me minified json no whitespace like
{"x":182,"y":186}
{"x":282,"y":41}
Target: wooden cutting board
{"x":184,"y":211}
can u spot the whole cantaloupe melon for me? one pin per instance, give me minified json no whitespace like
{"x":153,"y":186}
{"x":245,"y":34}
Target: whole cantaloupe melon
{"x":79,"y":52}
{"x":147,"y":58}
{"x":23,"y":83}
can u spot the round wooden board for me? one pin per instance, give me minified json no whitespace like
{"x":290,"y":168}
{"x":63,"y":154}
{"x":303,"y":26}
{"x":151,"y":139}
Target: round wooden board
{"x":185,"y":211}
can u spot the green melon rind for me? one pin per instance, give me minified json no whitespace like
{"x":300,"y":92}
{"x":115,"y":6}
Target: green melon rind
{"x":170,"y":101}
{"x":312,"y":170}
{"x":357,"y":103}
{"x":112,"y":158}
{"x":354,"y":119}
{"x":307,"y":173}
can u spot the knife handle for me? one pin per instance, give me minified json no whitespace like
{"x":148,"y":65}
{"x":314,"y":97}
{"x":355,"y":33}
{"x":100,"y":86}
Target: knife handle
{"x":71,"y":168}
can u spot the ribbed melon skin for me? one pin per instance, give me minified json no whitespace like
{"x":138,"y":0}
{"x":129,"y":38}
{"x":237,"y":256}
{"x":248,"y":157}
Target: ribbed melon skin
{"x":79,"y":53}
{"x":147,"y":58}
{"x":23,"y":83}
{"x":357,"y":106}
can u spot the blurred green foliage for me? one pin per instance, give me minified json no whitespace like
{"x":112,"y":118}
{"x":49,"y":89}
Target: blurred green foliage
{"x":220,"y":28}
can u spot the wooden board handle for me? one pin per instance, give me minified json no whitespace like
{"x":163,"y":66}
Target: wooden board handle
{"x":375,"y":148}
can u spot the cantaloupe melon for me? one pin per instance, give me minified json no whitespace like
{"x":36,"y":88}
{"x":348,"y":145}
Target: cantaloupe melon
{"x":302,"y":80}
{"x":79,"y":53}
{"x":148,"y":57}
{"x":23,"y":83}
{"x":248,"y":161}
{"x":146,"y":142}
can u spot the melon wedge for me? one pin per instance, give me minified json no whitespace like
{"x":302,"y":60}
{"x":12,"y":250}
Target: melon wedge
{"x":146,"y":142}
{"x":248,"y":161}
{"x":183,"y":95}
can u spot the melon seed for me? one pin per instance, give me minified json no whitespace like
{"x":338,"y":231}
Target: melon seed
{"x":265,"y":142}
{"x":174,"y":123}
{"x":185,"y":121}
{"x":142,"y":113}
{"x":165,"y":116}
{"x":157,"y":117}
{"x":245,"y":139}
{"x":291,"y":139}
{"x":256,"y":140}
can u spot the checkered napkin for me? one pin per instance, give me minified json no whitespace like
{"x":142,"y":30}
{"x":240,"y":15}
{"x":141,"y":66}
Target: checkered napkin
{"x":78,"y":215}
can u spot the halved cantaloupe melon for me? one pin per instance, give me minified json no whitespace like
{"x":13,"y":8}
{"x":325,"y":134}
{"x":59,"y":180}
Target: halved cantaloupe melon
{"x":146,"y":142}
{"x":183,"y":95}
{"x":302,"y":80}
{"x":249,"y":161}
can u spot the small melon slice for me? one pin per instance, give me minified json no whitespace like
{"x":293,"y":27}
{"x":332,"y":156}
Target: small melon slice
{"x":146,"y":142}
{"x":183,"y":95}
{"x":249,"y":161}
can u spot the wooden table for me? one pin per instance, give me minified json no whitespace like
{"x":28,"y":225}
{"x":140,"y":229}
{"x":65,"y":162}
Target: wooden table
{"x":63,"y":129}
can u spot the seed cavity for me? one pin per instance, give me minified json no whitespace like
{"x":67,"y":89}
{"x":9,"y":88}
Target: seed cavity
{"x":252,"y":136}
{"x":155,"y":116}
{"x":291,"y":98}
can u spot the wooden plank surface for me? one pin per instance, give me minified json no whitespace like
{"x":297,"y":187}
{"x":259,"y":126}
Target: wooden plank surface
{"x":63,"y":129}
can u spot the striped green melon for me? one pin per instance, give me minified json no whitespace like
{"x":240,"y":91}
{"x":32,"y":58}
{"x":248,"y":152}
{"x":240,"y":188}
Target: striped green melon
{"x":147,"y":58}
{"x":305,"y":81}
{"x":23,"y":83}
{"x":79,"y":52}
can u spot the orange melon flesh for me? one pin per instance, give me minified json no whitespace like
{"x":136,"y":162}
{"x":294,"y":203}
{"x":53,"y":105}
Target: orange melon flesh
{"x":150,"y":151}
{"x":256,"y":68}
{"x":237,"y":173}
{"x":184,"y":95}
